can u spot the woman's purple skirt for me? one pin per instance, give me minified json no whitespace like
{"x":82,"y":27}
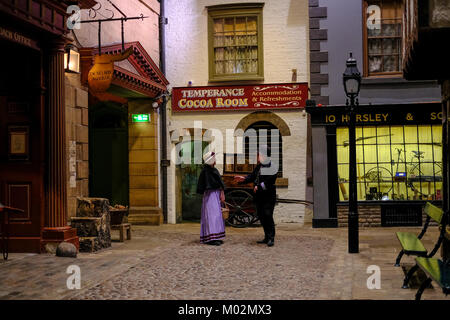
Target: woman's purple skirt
{"x":212,"y":226}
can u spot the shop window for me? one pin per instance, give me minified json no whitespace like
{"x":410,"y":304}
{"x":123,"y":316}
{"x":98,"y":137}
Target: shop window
{"x":383,"y":37}
{"x":235,"y":42}
{"x":393,"y":162}
{"x":259,"y":132}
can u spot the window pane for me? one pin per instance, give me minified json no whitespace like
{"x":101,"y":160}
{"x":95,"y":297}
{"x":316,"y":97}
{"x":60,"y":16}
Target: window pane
{"x":251,"y":24}
{"x":410,"y":134}
{"x":389,"y":27}
{"x":427,"y":152}
{"x":437,"y":133}
{"x":240,"y":24}
{"x":359,"y":154}
{"x":374,"y":46}
{"x":341,"y":136}
{"x":393,"y":162}
{"x":219,"y":54}
{"x":370,"y":134}
{"x":342,"y":154}
{"x":218,"y":25}
{"x":390,"y":64}
{"x":370,"y":154}
{"x":424,"y":134}
{"x":397,"y":134}
{"x":218,"y":33}
{"x":375,"y":64}
{"x":383,"y":135}
{"x":384,"y":153}
{"x":389,"y":46}
{"x":437,"y":152}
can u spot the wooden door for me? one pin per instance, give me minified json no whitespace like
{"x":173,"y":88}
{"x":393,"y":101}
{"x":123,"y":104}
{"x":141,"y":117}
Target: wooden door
{"x":22,"y":144}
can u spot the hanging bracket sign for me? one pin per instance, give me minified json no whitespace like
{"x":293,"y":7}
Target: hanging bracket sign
{"x":100,"y":75}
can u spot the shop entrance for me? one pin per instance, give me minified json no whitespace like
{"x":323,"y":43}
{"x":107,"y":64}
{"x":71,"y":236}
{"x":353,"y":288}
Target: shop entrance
{"x":22,"y":145}
{"x":108,"y":152}
{"x":191,"y":202}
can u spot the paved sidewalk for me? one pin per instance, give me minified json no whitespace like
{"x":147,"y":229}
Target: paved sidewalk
{"x":167,"y":262}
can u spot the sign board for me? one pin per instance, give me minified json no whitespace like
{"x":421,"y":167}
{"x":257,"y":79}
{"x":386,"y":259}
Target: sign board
{"x":403,"y":114}
{"x":240,"y":97}
{"x":101,"y":73}
{"x":140,"y":117}
{"x":17,"y":37}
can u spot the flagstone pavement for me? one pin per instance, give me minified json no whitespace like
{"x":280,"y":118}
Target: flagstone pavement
{"x":168,"y":262}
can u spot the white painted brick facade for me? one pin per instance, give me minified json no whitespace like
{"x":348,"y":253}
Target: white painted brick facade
{"x":285,"y":28}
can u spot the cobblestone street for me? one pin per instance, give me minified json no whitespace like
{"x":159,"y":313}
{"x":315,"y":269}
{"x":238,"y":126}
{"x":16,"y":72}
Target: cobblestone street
{"x":168,"y":262}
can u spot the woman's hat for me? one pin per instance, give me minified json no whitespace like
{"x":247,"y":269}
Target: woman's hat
{"x":209,"y":157}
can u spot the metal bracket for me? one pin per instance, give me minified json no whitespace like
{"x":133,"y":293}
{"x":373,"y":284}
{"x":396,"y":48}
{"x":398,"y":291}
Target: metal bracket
{"x":122,"y":20}
{"x":165,"y":163}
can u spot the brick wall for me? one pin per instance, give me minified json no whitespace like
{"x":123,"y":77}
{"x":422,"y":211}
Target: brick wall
{"x":368,"y":216}
{"x":77,"y":130}
{"x":143,"y":157}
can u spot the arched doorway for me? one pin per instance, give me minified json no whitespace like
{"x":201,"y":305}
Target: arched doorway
{"x":108,"y":152}
{"x":264,"y":120}
{"x":266,"y":128}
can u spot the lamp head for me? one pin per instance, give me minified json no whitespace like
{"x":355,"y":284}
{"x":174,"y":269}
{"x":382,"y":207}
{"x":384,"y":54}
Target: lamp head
{"x":71,"y":59}
{"x":351,"y":78}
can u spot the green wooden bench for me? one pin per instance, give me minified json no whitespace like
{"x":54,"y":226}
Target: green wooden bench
{"x":437,"y":271}
{"x":412,"y":244}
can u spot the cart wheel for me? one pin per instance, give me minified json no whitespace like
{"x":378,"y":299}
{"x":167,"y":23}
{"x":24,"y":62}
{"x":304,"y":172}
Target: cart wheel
{"x":242,"y":208}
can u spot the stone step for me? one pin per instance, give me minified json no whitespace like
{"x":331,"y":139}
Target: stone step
{"x":86,"y":226}
{"x":145,"y":216}
{"x":88,"y":244}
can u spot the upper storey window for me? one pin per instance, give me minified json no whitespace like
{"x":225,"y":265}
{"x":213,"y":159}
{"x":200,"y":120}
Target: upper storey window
{"x":383,"y":37}
{"x":235,"y":42}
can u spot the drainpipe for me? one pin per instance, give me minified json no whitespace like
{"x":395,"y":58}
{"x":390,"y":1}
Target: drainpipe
{"x":164,"y":162}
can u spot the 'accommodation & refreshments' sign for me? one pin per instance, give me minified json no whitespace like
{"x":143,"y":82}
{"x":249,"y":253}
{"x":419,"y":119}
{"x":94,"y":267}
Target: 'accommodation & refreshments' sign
{"x":237,"y":98}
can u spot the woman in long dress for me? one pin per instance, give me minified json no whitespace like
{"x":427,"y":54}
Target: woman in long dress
{"x":210,"y":184}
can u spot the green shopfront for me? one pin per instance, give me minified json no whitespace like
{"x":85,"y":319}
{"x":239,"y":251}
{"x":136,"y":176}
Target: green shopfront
{"x":399,"y":163}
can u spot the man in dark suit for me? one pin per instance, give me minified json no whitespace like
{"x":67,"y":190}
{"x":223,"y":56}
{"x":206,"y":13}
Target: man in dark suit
{"x":263,"y":177}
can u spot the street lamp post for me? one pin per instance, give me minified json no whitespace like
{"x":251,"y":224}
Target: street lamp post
{"x":352,"y":82}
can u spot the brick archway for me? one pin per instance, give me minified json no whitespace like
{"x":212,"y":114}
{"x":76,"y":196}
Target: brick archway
{"x":264,"y":116}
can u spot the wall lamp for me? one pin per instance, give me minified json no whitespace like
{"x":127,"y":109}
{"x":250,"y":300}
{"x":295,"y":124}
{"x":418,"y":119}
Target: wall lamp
{"x":71,"y":59}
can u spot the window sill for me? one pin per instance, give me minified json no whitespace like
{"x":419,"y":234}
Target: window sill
{"x":236,"y":78}
{"x":392,"y":80}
